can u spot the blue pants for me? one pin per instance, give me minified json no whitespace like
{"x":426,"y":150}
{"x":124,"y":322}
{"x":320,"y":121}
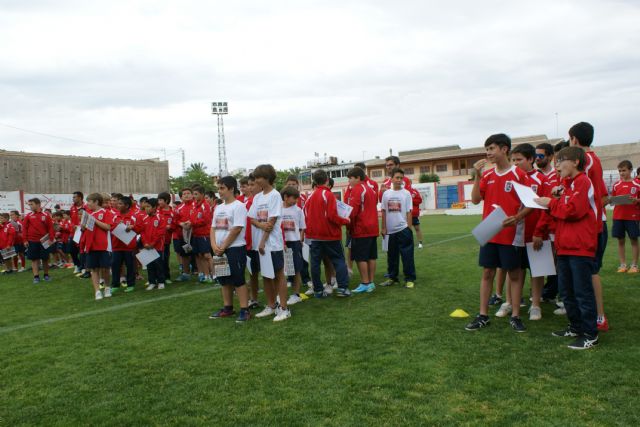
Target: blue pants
{"x":155,"y":271}
{"x":117,"y":258}
{"x":333,"y":250}
{"x":165,"y":261}
{"x":401,"y":245}
{"x":576,"y":291}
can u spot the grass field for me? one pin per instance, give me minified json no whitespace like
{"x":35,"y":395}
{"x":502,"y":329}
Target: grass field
{"x":393,"y":357}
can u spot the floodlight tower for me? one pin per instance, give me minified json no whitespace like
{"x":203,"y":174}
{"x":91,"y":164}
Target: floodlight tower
{"x":220,"y":109}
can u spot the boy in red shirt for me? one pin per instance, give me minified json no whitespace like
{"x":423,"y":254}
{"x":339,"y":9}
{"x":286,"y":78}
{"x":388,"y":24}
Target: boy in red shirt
{"x":200,"y":224}
{"x":18,"y":242}
{"x":625,"y":217}
{"x":504,"y":250}
{"x":7,"y":237}
{"x":363,"y":228}
{"x":391,"y":163}
{"x":123,"y":253}
{"x":166,"y":212}
{"x":576,"y":240}
{"x":152,"y":235}
{"x":97,"y":245}
{"x":181,"y":217}
{"x":292,"y":181}
{"x":37,"y":225}
{"x":416,"y":200}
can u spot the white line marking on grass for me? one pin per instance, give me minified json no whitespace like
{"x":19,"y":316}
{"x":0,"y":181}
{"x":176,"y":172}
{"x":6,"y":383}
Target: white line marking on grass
{"x":448,"y":240}
{"x":8,"y":329}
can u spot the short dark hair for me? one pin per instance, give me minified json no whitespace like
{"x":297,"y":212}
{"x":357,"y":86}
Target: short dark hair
{"x":79,"y":194}
{"x":153,"y":202}
{"x":116,"y":195}
{"x":244,"y":180}
{"x":320,"y":177}
{"x":527,"y":150}
{"x":267,"y":172}
{"x":229,"y":182}
{"x":395,"y":171}
{"x":251,"y":177}
{"x":292,"y":178}
{"x":360,"y":165}
{"x":560,"y":145}
{"x":165,"y":196}
{"x":182,"y":190}
{"x":57,"y":214}
{"x":35,"y":200}
{"x":394,"y":159}
{"x":548,"y":148}
{"x":499,"y":139}
{"x":210,"y":194}
{"x":356,"y":173}
{"x":573,"y":154}
{"x":290,"y":191}
{"x":143,"y":199}
{"x":583,"y":132}
{"x":625,"y":164}
{"x":15,"y":212}
{"x":57,"y":207}
{"x":126,"y":200}
{"x":96,"y":197}
{"x":4,"y":215}
{"x":197,"y":187}
{"x":330,"y":182}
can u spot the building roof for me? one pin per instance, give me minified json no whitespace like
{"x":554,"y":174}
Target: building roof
{"x":79,"y":158}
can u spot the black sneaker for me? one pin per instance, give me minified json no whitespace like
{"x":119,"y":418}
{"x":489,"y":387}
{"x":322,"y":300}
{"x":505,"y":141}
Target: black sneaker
{"x":583,"y":342}
{"x":478,"y":323}
{"x":495,"y":300}
{"x":567,"y":332}
{"x":517,"y":324}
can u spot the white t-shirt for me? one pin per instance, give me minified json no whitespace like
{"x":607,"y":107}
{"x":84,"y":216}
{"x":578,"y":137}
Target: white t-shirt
{"x":267,"y":206}
{"x":292,"y":223}
{"x":226,"y":217}
{"x":396,"y":204}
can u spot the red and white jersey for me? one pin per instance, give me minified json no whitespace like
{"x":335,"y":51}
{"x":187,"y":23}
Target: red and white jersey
{"x":7,"y":235}
{"x":416,"y":200}
{"x":497,"y":190}
{"x":540,"y":186}
{"x":19,"y":238}
{"x":128,"y":219}
{"x":626,"y":212}
{"x":73,"y":213}
{"x":301,"y":200}
{"x":593,"y":170}
{"x":552,"y":177}
{"x":364,"y":216}
{"x":406,"y":184}
{"x":99,"y":239}
{"x":180,"y":214}
{"x":37,"y":225}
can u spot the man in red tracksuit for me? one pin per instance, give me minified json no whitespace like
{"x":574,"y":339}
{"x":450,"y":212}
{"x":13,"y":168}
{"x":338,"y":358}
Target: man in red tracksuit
{"x":37,"y":225}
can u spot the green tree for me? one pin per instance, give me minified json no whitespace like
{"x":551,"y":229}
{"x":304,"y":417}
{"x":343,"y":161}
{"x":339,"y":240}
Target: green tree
{"x":281,"y":177}
{"x":196,"y":173}
{"x":429,"y":177}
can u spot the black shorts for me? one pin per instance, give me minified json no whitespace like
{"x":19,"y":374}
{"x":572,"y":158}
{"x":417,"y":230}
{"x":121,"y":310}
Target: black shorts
{"x":603,"y":238}
{"x":524,"y":260}
{"x":237,"y":257}
{"x":494,"y":255}
{"x":19,"y":248}
{"x":177,"y":247}
{"x":36,"y":251}
{"x":415,"y":220}
{"x":201,"y":245}
{"x":277,"y":259}
{"x":296,"y":248}
{"x":61,"y":247}
{"x":622,"y":226}
{"x":364,"y":248}
{"x":98,"y":259}
{"x":254,"y":263}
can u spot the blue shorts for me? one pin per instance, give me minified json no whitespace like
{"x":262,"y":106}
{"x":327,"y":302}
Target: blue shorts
{"x":622,"y":226}
{"x":98,"y":259}
{"x":177,"y":247}
{"x":296,"y":248}
{"x":19,"y":248}
{"x":61,"y":247}
{"x":494,"y":255}
{"x":415,"y":220}
{"x":603,"y":238}
{"x":201,"y":245}
{"x":255,"y":261}
{"x":237,"y":257}
{"x":364,"y":249}
{"x":36,"y":251}
{"x":277,"y":259}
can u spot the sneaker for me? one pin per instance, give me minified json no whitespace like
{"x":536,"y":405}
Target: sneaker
{"x":328,"y":289}
{"x":320,"y":295}
{"x":504,"y":310}
{"x":208,"y":280}
{"x":535,"y":313}
{"x":150,"y":287}
{"x":36,"y":280}
{"x":101,"y":286}
{"x":183,"y":278}
{"x":85,"y":275}
{"x":107,"y":292}
{"x":495,"y":299}
{"x":522,"y":303}
{"x":168,"y":281}
{"x":560,"y":311}
{"x":283,"y":314}
{"x":372,"y":287}
{"x":603,"y":324}
{"x":622,"y":268}
{"x":361,"y":288}
{"x":517,"y":325}
{"x":343,"y":292}
{"x":243,"y":316}
{"x":633,"y":269}
{"x":222,"y":313}
{"x":288,"y":284}
{"x":309,"y":291}
{"x":129,"y":289}
{"x":419,"y":245}
{"x":389,"y":282}
{"x":303,"y":297}
{"x":76,"y":270}
{"x":567,"y":332}
{"x":21,"y":270}
{"x":294,"y":299}
{"x":253,"y":304}
{"x":98,"y":295}
{"x":160,"y":285}
{"x":409,"y":285}
{"x":47,"y":278}
{"x":268,"y":311}
{"x":478,"y":323}
{"x":583,"y":343}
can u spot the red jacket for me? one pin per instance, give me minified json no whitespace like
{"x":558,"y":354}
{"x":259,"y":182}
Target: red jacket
{"x":247,"y":229}
{"x":364,"y":216}
{"x":201,"y":217}
{"x":152,"y":231}
{"x":128,"y":219}
{"x":416,"y":200}
{"x":37,"y":225}
{"x":576,"y":211}
{"x":7,"y":235}
{"x":181,"y":214}
{"x":321,"y":216}
{"x":168,"y":215}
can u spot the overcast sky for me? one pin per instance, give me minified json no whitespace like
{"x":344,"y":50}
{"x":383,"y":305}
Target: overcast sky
{"x":347,"y":78}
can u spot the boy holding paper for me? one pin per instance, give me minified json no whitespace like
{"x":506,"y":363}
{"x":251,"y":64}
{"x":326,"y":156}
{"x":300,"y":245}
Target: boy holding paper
{"x":97,"y":244}
{"x":576,"y":241}
{"x":625,"y":217}
{"x":504,"y":250}
{"x":7,"y":236}
{"x":293,"y":226}
{"x":122,"y":252}
{"x":152,"y":234}
{"x":37,"y":225}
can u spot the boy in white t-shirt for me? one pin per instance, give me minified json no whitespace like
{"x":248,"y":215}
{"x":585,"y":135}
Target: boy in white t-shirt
{"x":293,"y":225}
{"x":396,"y":217}
{"x":267,"y":239}
{"x":227,"y":238}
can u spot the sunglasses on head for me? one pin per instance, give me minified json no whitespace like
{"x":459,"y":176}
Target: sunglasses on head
{"x":539,"y":156}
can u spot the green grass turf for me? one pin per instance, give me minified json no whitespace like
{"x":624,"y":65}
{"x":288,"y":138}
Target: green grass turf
{"x":393,"y":357}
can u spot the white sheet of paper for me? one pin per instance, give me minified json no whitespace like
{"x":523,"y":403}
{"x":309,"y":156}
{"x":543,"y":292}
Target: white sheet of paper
{"x":121,"y":233}
{"x":541,"y":262}
{"x":91,"y":222}
{"x":305,"y":252}
{"x":526,"y":195}
{"x":344,"y":210}
{"x":77,"y":234}
{"x":146,"y":256}
{"x":385,"y":243}
{"x":266,"y":265}
{"x":249,"y":265}
{"x":620,"y":200}
{"x":490,"y":226}
{"x":46,"y":243}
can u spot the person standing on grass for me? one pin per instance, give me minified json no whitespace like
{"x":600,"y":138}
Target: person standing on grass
{"x":391,"y":163}
{"x":254,"y":257}
{"x":416,"y":200}
{"x":363,"y":228}
{"x":293,"y":226}
{"x":396,"y":217}
{"x":227,"y":239}
{"x":152,"y":234}
{"x":200,"y":224}
{"x":504,"y":250}
{"x":166,"y":212}
{"x":574,"y":207}
{"x":625,"y":217}
{"x":37,"y":225}
{"x":98,"y":245}
{"x":181,"y":217}
{"x":7,"y":237}
{"x":123,"y":253}
{"x":18,"y":242}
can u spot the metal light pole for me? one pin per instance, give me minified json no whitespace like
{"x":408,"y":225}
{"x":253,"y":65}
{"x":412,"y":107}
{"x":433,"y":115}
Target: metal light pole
{"x":220,"y":109}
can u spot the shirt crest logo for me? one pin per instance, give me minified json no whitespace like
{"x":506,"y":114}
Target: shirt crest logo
{"x":155,"y":223}
{"x":633,"y":190}
{"x":534,"y":188}
{"x":508,"y":186}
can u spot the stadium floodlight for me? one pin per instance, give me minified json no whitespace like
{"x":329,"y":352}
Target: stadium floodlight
{"x":220,"y":109}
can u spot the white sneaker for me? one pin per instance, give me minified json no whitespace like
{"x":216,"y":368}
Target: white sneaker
{"x":151,"y":287}
{"x":504,"y":310}
{"x":21,"y":270}
{"x":309,"y":291}
{"x":268,"y":311}
{"x":310,"y":284}
{"x":75,"y":270}
{"x":161,"y":286}
{"x":328,"y":289}
{"x":98,"y":295}
{"x":102,"y":281}
{"x":277,"y":301}
{"x":535,"y":313}
{"x":123,"y":280}
{"x":560,"y":311}
{"x":294,"y":299}
{"x":107,"y":292}
{"x":282,"y":315}
{"x":288,"y":284}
